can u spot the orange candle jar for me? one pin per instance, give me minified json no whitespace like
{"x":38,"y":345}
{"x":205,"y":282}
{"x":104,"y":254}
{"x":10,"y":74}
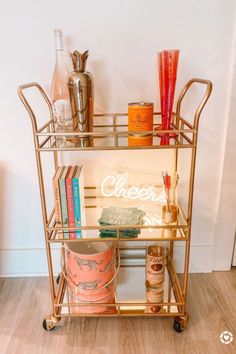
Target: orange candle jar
{"x":140,"y":139}
{"x":140,"y":119}
{"x":140,"y":116}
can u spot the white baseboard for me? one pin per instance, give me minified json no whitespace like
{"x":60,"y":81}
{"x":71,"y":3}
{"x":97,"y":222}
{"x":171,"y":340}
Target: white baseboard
{"x":27,"y":262}
{"x":33,"y":262}
{"x":200,"y":260}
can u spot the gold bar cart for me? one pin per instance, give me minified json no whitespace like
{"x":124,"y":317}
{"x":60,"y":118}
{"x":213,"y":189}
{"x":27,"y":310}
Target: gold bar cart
{"x":174,"y":304}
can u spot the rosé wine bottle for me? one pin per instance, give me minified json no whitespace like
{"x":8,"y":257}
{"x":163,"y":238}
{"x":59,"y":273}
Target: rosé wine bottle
{"x":59,"y":93}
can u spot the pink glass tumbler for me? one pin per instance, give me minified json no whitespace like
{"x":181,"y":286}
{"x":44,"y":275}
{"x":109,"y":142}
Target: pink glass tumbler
{"x":167,"y":68}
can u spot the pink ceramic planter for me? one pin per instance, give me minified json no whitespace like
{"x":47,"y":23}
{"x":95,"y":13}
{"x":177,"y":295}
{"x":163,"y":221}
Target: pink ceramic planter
{"x":91,"y":270}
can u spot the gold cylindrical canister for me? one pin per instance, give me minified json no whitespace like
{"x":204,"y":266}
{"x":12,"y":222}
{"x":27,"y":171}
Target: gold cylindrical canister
{"x":155,"y":265}
{"x":169,"y":217}
{"x":140,"y":118}
{"x":154,"y":294}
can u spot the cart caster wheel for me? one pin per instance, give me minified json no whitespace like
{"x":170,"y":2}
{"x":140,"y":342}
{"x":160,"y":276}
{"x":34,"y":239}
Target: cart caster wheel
{"x":46,"y":327}
{"x":49,"y":323}
{"x":177,"y":326}
{"x":58,"y":278}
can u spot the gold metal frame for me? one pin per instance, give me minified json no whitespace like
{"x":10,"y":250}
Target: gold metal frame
{"x":186,"y":138}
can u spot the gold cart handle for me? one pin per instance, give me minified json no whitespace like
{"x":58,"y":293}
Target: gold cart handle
{"x":27,"y":105}
{"x":202,"y":103}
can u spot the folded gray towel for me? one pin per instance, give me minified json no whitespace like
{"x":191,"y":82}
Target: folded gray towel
{"x":121,"y":216}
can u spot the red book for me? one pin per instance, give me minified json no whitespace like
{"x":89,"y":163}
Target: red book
{"x":70,"y":203}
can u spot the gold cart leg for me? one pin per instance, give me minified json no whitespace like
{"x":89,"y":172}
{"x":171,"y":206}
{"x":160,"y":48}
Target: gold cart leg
{"x":180,"y":322}
{"x":44,"y":211}
{"x":171,"y":243}
{"x":169,"y":295}
{"x":48,"y":321}
{"x":40,"y":174}
{"x":189,"y":218}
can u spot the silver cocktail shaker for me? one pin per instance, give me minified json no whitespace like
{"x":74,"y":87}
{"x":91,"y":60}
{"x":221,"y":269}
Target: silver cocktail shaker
{"x":80,"y":85}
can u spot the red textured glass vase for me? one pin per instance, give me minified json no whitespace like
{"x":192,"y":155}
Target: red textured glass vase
{"x":167,"y":69}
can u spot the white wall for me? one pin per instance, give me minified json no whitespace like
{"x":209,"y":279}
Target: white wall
{"x":123,"y":38}
{"x":226,"y":220}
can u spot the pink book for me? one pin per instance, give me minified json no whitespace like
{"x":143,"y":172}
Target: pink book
{"x":70,"y":204}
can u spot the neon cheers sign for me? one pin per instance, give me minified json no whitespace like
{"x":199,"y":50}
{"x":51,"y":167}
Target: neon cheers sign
{"x":116,"y":186}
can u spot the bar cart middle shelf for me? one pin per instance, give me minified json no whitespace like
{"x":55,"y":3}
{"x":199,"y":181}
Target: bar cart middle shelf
{"x":113,"y":135}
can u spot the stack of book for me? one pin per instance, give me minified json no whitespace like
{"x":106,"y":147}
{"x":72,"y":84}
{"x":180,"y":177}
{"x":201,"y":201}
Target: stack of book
{"x":68,"y":189}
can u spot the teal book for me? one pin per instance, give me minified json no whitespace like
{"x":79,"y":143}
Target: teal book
{"x":64,"y":210}
{"x":78,"y":199}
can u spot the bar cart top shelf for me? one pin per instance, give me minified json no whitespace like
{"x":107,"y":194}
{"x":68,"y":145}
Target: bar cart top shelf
{"x":110,"y":130}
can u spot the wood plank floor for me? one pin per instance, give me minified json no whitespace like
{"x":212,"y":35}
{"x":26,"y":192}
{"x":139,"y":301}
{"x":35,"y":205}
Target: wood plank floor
{"x":25,"y":301}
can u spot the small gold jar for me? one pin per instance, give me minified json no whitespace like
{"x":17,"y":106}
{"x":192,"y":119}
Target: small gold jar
{"x":169,"y":217}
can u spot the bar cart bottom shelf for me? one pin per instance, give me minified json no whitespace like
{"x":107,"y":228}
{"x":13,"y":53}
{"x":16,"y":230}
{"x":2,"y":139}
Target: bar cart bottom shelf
{"x":129,"y":304}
